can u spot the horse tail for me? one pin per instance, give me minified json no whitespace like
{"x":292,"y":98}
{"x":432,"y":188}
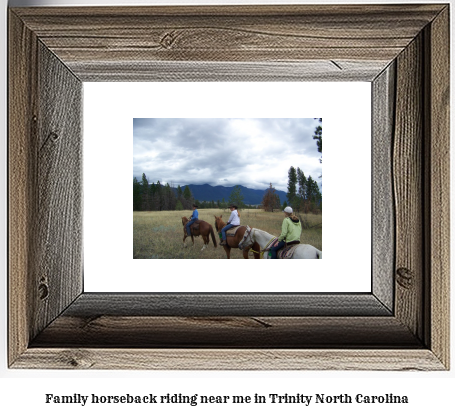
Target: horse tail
{"x":319,"y":254}
{"x":213,"y":235}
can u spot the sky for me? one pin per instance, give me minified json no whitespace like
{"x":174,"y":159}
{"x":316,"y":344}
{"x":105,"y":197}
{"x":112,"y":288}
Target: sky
{"x":252,"y":152}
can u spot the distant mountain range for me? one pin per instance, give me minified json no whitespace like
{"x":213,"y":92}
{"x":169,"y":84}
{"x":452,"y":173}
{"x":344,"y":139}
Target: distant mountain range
{"x":205,"y":192}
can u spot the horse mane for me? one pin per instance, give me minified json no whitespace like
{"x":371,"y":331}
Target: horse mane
{"x":222,"y":224}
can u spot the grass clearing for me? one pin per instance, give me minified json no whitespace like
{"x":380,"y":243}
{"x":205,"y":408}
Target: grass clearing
{"x":159,"y":235}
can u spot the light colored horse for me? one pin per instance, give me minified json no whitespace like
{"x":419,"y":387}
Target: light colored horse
{"x":263,"y":238}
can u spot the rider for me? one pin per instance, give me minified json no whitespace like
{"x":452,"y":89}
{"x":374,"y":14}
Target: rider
{"x":234,"y":220}
{"x":290,"y":231}
{"x":193,"y":218}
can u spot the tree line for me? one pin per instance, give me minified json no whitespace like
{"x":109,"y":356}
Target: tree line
{"x":151,"y":196}
{"x":156,"y":196}
{"x":303,"y":193}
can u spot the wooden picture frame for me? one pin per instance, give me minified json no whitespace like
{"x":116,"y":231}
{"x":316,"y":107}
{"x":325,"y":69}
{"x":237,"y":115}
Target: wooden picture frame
{"x":403,"y":324}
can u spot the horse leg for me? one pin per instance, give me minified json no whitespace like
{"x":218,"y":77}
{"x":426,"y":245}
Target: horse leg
{"x":245,"y":253}
{"x":206,"y":242}
{"x":212,"y":234}
{"x":227,"y":249}
{"x":256,"y":248}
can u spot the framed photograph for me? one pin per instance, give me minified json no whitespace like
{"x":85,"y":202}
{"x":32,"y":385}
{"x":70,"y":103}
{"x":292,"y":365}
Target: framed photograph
{"x":251,"y":143}
{"x":401,"y":323}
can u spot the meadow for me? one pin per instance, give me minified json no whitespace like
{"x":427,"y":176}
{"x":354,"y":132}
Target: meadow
{"x":159,"y":234}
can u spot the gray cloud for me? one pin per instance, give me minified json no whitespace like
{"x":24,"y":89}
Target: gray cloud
{"x":252,"y":152}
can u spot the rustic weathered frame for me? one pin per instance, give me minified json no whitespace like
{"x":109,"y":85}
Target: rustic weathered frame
{"x":403,"y":324}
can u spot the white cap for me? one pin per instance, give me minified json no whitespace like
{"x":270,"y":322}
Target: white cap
{"x":287,"y":209}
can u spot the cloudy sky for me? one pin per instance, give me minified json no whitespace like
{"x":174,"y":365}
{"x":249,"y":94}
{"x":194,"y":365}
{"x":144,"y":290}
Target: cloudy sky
{"x":252,"y":152}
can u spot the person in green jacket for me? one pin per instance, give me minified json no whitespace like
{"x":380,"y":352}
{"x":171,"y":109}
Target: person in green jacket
{"x":290,"y":231}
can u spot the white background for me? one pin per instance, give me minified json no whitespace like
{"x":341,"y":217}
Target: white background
{"x":23,"y":391}
{"x":109,"y":109}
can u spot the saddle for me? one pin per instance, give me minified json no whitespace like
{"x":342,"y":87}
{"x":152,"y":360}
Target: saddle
{"x":288,"y":251}
{"x":232,"y":231}
{"x":195,"y":226}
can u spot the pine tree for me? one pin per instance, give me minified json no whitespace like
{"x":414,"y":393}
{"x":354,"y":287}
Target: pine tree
{"x":153,"y":202}
{"x":318,"y":137}
{"x":169,"y":198}
{"x":187,"y":198}
{"x":159,"y":196}
{"x":302,"y":181}
{"x":179,"y":205}
{"x":187,"y":193}
{"x":180,"y":197}
{"x":292,"y":186}
{"x":145,"y":193}
{"x":236,"y":197}
{"x":137,"y":195}
{"x":313,"y":194}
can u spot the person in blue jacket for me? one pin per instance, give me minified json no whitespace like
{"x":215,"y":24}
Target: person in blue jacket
{"x":194,"y":217}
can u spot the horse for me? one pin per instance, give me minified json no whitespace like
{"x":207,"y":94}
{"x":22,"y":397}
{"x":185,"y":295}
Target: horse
{"x":233,"y":241}
{"x":204,"y":229}
{"x":264,"y":239}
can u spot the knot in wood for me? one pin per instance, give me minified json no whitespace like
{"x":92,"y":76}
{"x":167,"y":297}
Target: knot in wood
{"x":43,"y":291}
{"x":76,"y":359}
{"x":168,"y":40}
{"x":53,"y":136}
{"x":405,"y":278}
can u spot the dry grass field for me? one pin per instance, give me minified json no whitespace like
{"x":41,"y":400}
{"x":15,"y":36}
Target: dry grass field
{"x":159,"y":235}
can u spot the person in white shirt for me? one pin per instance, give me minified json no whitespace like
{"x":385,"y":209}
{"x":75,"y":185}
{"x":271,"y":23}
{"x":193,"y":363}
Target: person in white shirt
{"x":234,"y":220}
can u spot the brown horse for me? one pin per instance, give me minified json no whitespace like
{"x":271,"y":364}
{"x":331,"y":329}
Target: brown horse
{"x":233,"y":241}
{"x":203,"y":228}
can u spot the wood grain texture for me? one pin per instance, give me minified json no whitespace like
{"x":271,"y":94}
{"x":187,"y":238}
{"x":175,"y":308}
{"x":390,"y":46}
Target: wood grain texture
{"x":408,"y":187}
{"x":272,"y":34}
{"x":45,"y":185}
{"x":383,"y":215}
{"x":89,"y":305}
{"x":308,"y":71}
{"x":58,"y":204}
{"x":21,"y":130}
{"x":399,"y":327}
{"x":234,"y":359}
{"x":257,"y":332}
{"x":438,"y":197}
